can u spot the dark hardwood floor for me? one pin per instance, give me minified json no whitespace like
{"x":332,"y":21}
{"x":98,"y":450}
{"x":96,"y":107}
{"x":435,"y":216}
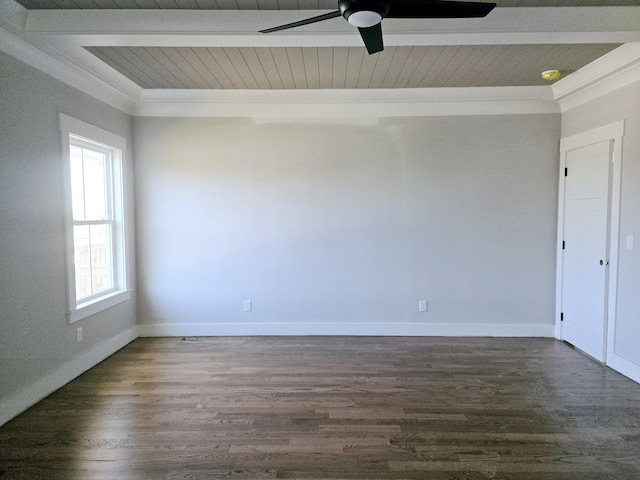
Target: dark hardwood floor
{"x":333,"y":408}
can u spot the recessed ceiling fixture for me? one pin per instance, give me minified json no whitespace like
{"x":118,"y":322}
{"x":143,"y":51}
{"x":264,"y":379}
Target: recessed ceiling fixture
{"x":551,"y":75}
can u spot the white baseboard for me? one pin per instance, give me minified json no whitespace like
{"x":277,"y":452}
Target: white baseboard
{"x":21,"y":400}
{"x":365,"y":329}
{"x":625,"y":367}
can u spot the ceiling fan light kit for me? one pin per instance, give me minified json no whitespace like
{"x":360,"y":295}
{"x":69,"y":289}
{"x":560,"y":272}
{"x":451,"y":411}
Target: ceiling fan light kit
{"x":367,"y":15}
{"x":364,"y":18}
{"x":363,"y":13}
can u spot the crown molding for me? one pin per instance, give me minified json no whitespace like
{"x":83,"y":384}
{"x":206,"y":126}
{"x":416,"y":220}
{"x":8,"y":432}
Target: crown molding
{"x":346,"y":103}
{"x":75,"y":67}
{"x":66,"y":72}
{"x":13,"y":16}
{"x":614,"y":70}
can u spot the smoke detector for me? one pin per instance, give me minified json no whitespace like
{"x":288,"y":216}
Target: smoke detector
{"x":551,"y":74}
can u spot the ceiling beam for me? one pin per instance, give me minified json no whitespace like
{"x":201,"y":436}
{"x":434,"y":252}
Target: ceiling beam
{"x":539,"y":25}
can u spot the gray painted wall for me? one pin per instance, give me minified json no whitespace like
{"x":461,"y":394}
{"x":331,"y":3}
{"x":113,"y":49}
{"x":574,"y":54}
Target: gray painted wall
{"x":335,"y":222}
{"x":622,"y":104}
{"x":35,"y":336}
{"x":324,"y":223}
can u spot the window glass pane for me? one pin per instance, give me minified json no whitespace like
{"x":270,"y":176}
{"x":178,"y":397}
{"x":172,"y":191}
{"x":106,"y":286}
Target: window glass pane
{"x":95,"y":195}
{"x":101,"y":265}
{"x":82,"y":260}
{"x":77,"y":183}
{"x":92,"y":256}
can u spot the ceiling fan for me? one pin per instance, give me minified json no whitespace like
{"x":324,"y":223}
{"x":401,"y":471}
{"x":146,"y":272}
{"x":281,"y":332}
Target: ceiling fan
{"x":367,"y":15}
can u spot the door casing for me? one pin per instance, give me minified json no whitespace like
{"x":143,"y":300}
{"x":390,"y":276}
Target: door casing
{"x":614,"y":132}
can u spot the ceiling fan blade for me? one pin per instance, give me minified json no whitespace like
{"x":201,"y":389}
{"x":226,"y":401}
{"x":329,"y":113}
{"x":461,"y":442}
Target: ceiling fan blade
{"x":438,"y":9}
{"x":319,"y":18}
{"x":372,"y":37}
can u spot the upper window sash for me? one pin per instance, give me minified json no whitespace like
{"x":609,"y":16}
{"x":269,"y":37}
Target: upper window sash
{"x":108,"y":174}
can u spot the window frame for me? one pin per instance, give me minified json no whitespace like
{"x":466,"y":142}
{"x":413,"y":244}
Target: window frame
{"x":78,"y":133}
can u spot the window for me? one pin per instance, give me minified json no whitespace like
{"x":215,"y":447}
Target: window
{"x":95,"y":226}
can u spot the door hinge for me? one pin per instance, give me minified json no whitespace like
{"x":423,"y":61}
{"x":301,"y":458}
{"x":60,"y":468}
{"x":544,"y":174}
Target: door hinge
{"x":566,"y":170}
{"x":561,"y":317}
{"x":563,"y":244}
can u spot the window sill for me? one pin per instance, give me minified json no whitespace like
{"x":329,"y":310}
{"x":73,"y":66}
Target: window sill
{"x":85,"y":310}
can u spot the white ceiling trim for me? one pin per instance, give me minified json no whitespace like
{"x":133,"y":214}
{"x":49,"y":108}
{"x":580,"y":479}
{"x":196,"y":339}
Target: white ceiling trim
{"x":614,"y":70}
{"x":12,"y":14}
{"x":53,"y":41}
{"x":376,"y":103}
{"x":39,"y":53}
{"x":240,"y":28}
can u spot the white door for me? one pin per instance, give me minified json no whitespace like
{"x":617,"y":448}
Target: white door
{"x":585,"y":253}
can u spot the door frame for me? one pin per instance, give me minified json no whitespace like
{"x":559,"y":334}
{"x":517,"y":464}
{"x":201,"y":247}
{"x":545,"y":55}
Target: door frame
{"x":612,"y":132}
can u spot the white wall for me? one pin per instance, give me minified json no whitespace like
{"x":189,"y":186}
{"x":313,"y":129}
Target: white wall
{"x":341,"y":227}
{"x":38,"y":348}
{"x":622,"y":104}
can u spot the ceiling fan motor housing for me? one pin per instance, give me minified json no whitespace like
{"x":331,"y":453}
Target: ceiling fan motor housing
{"x":367,"y":15}
{"x":350,"y":7}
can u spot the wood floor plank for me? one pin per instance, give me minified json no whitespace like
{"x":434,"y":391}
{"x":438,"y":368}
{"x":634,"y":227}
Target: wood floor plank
{"x":392,"y":408}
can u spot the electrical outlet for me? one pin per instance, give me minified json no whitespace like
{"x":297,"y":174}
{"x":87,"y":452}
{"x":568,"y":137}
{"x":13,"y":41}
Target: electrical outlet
{"x":422,"y":305}
{"x":247,"y":305}
{"x":79,"y":334}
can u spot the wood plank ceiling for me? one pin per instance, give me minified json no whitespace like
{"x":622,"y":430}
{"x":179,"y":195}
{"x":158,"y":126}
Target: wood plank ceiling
{"x":342,"y":67}
{"x":345,"y":67}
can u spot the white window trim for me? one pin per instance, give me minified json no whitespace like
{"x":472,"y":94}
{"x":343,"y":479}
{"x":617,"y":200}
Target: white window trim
{"x":77,"y":311}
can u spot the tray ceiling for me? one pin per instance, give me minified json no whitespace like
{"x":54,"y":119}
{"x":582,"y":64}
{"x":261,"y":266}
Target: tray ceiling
{"x":125,"y":50}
